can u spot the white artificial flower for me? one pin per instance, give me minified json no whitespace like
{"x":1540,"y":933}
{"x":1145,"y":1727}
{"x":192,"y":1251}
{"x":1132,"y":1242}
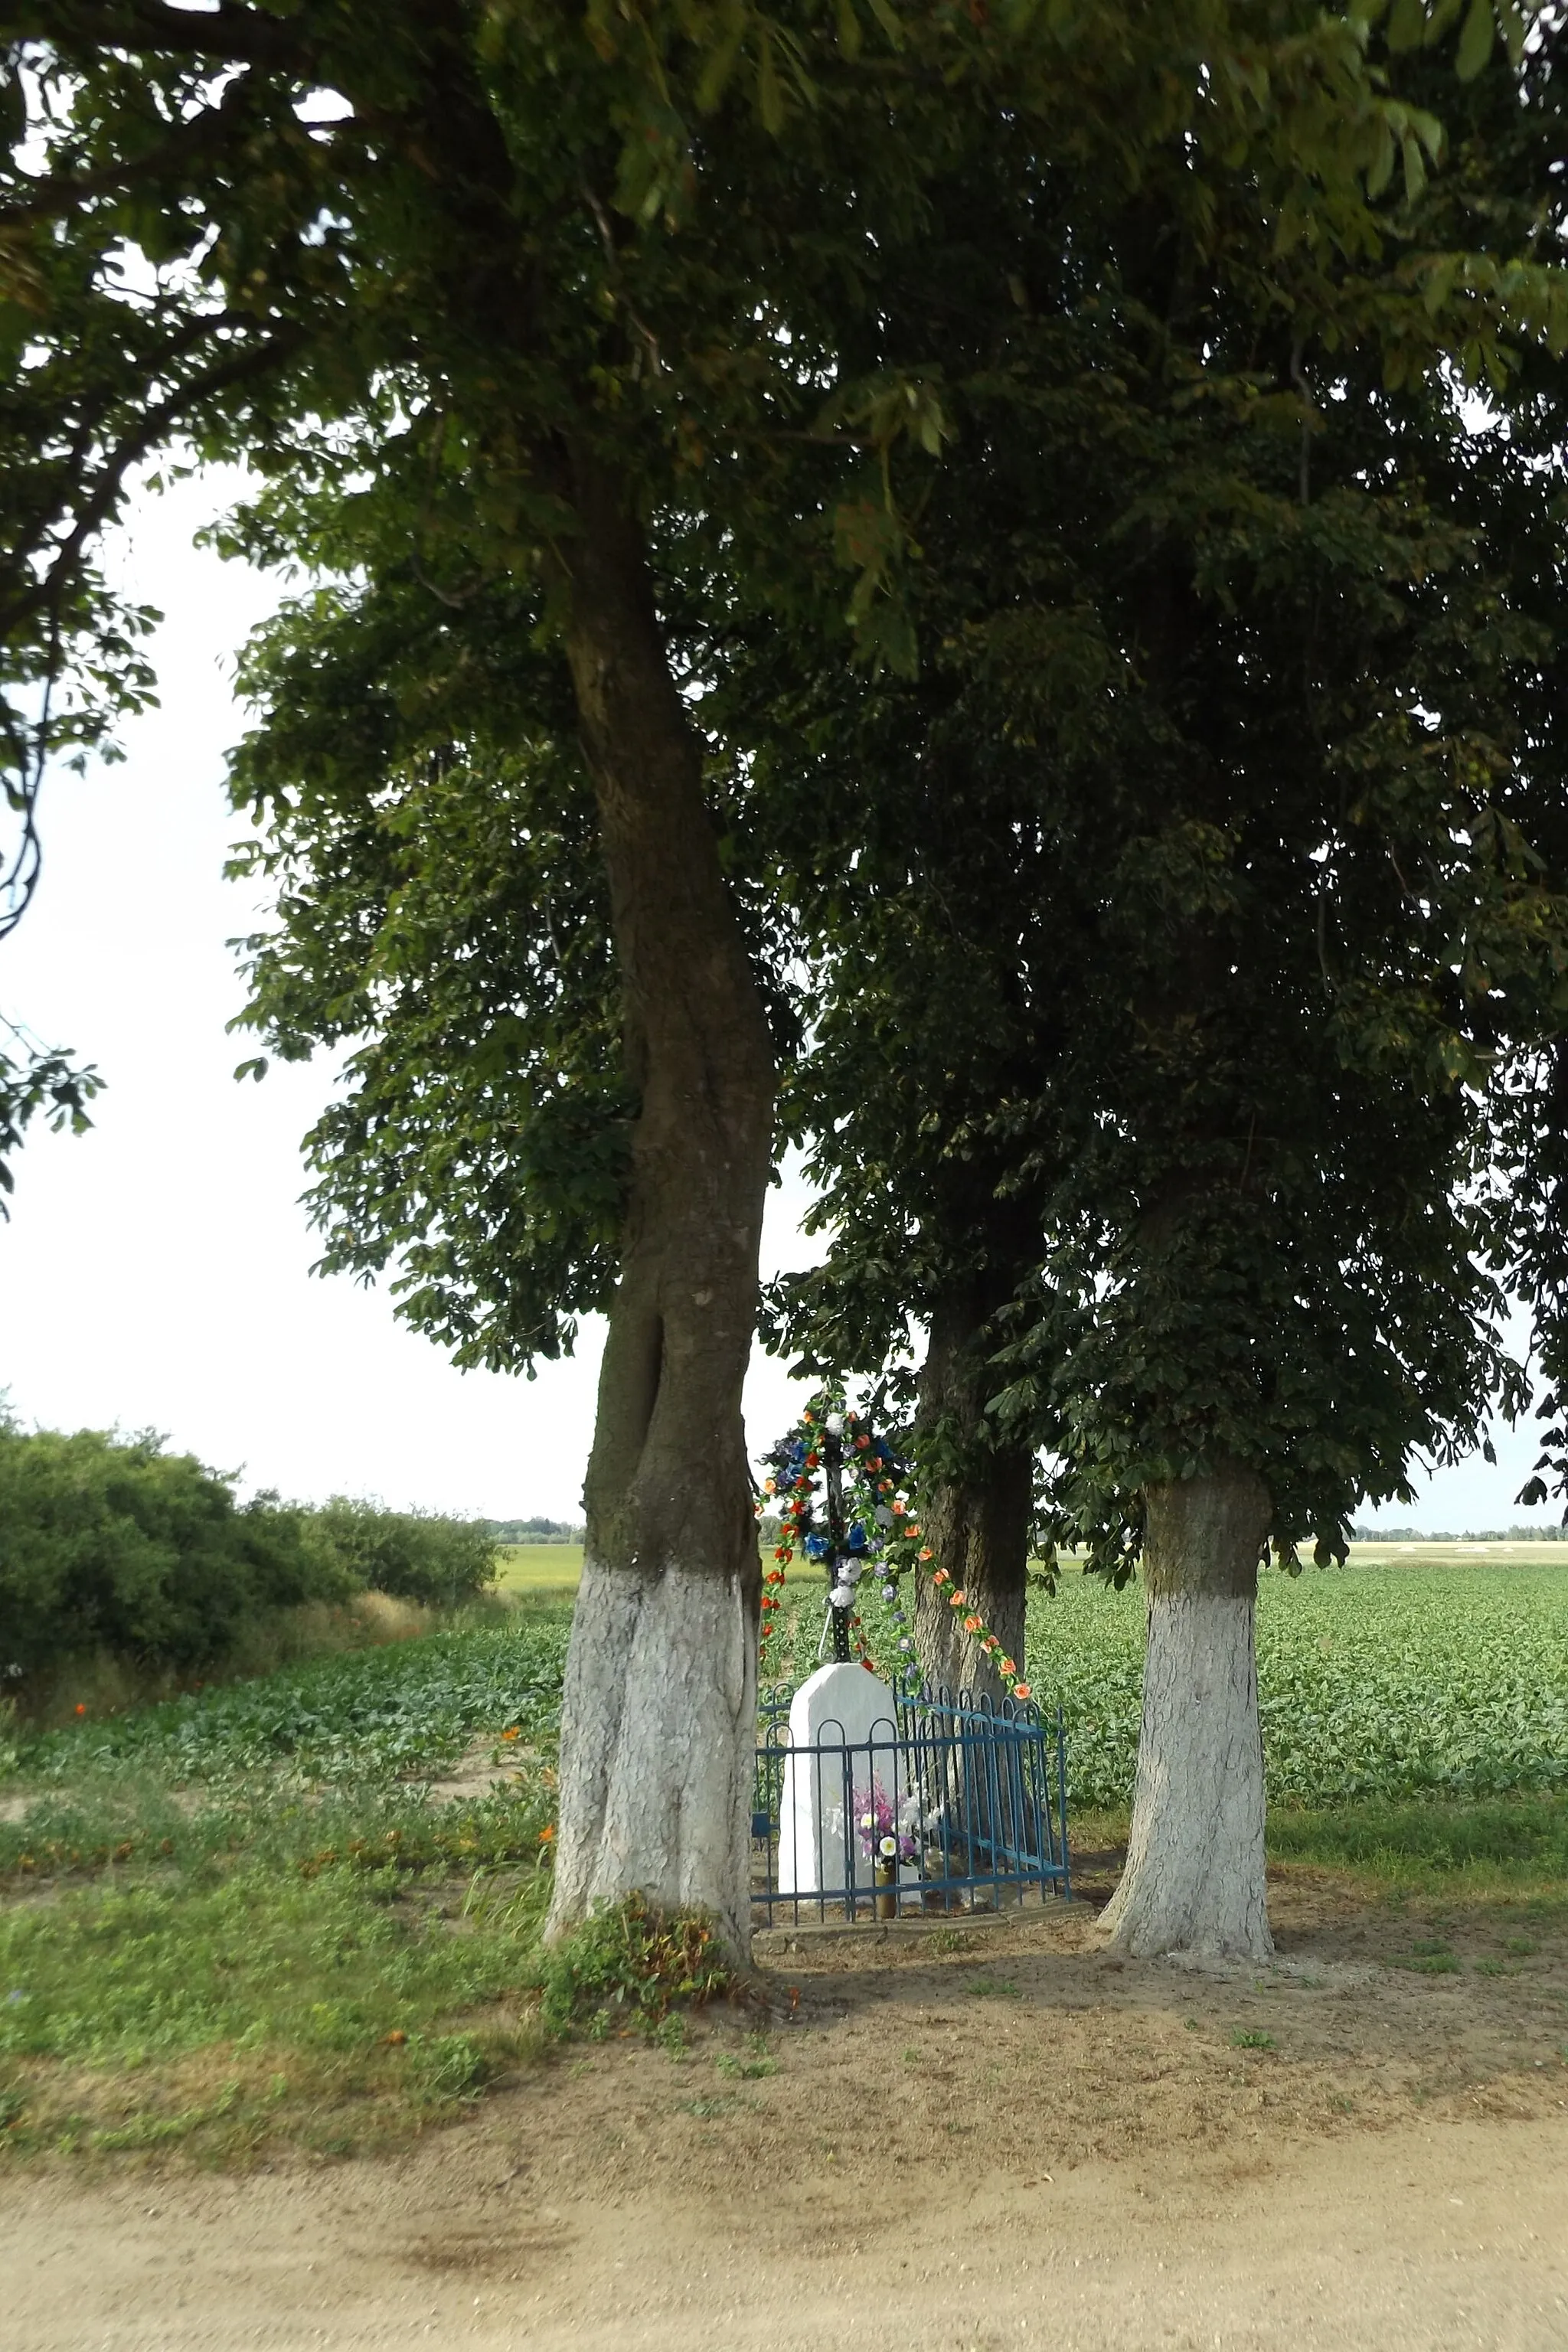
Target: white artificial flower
{"x":888,"y":1848}
{"x":836,"y":1424}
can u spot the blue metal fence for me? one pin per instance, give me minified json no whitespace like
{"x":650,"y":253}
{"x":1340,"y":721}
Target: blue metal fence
{"x":972,"y":1795}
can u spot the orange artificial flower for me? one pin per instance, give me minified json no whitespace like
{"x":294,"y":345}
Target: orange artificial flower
{"x":971,"y":1625}
{"x":546,"y":1833}
{"x":1021,"y":1690}
{"x":512,"y":1734}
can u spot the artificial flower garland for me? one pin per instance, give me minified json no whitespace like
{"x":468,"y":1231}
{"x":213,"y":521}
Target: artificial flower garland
{"x":884,"y":1532}
{"x":858,"y":1533}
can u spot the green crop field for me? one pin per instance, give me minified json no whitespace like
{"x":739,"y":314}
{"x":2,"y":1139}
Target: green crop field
{"x":247,"y":1916}
{"x":259,"y":1923}
{"x":1387,"y":1680}
{"x":540,"y":1567}
{"x":1430,"y":1671}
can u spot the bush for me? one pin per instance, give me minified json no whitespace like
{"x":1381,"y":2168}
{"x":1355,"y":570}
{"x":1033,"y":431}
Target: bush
{"x":107,"y":1542}
{"x":412,"y":1555}
{"x":629,"y":1963}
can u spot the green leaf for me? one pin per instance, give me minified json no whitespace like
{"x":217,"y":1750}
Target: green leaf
{"x":1408,"y":25}
{"x":1441,"y":280}
{"x":770,"y":96}
{"x":1510,"y":17}
{"x":887,"y":16}
{"x":715,"y":75}
{"x":1476,"y":40}
{"x":1382,"y":169}
{"x":1414,"y":167}
{"x":849,"y":35}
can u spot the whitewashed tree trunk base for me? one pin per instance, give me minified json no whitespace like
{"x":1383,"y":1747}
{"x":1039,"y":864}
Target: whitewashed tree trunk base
{"x":657,"y":1750}
{"x":1195,"y":1881}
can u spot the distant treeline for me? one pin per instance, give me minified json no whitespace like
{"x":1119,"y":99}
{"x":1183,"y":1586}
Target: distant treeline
{"x":109,"y":1544}
{"x":1470,"y":1535}
{"x":527,"y":1531}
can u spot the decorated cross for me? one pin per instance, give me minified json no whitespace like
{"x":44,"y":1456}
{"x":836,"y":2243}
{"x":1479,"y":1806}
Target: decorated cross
{"x":845,"y":1500}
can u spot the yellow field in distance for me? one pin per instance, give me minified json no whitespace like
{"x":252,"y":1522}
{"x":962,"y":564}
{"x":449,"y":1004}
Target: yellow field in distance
{"x":540,"y":1567}
{"x":558,"y":1567}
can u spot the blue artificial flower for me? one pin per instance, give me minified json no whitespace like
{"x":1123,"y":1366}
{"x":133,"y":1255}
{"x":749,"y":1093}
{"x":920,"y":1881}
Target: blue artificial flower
{"x":817,"y":1547}
{"x":858,"y":1537}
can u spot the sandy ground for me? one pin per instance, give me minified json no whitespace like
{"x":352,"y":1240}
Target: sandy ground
{"x":951,"y":2143}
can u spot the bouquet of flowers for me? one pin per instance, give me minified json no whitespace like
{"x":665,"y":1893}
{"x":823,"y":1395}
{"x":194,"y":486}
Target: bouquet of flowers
{"x":887,"y":1831}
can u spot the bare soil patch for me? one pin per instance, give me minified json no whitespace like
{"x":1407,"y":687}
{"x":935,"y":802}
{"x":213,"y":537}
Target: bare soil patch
{"x":983,"y":2136}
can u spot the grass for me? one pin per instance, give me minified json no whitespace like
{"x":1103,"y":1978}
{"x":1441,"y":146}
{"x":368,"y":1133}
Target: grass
{"x":1479,"y":1850}
{"x":234,"y":1918}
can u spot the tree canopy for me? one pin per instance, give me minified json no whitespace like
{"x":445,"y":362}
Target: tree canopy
{"x":690,"y":354}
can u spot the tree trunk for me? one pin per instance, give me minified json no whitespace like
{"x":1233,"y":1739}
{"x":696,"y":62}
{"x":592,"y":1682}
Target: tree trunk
{"x":1195,"y":1877}
{"x":658,"y":1719}
{"x":976,"y":1502}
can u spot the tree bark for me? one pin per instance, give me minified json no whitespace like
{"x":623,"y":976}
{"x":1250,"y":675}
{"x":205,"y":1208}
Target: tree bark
{"x":659,"y":1717}
{"x":1195,"y":1877}
{"x":976,"y":1500}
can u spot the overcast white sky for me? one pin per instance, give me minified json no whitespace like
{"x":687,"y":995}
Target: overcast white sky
{"x":155,"y":1272}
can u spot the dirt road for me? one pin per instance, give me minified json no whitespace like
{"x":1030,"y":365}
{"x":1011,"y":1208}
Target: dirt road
{"x":1009,"y":2143}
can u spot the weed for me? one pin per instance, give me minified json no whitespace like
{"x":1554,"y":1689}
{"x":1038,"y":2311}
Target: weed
{"x":994,"y":1988}
{"x":951,"y":1939}
{"x":628,"y":1961}
{"x":1242,"y":2039}
{"x":1521,"y":1945}
{"x":450,"y":2066}
{"x":750,"y":2069}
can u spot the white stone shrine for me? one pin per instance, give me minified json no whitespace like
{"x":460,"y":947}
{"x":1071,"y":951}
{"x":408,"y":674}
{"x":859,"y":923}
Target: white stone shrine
{"x":820,"y":1844}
